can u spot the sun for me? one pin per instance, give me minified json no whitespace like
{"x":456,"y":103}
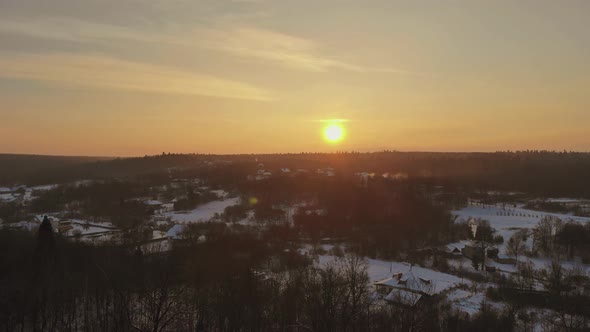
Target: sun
{"x":333,"y":133}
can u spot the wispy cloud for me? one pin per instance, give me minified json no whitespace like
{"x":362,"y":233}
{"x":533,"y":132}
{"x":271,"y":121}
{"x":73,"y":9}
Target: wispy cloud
{"x":74,"y":30}
{"x":108,"y":72}
{"x":282,"y":49}
{"x":237,"y":40}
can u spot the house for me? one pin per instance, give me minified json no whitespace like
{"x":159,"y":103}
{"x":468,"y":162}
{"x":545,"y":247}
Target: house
{"x":157,"y":207}
{"x":505,"y":259}
{"x":450,"y":252}
{"x":490,"y":268}
{"x":261,"y":174}
{"x":404,"y":289}
{"x":167,"y":207}
{"x":156,"y":245}
{"x":153,"y":206}
{"x":471,"y":251}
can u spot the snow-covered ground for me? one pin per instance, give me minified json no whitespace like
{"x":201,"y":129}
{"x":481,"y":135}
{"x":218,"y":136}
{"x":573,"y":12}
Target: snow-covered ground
{"x":202,"y":213}
{"x":220,"y":193}
{"x":11,"y":194}
{"x":470,"y":301}
{"x":466,"y":301}
{"x":507,"y":222}
{"x":8,"y":197}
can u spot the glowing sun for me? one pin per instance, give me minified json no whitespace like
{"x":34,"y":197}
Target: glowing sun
{"x":333,"y":133}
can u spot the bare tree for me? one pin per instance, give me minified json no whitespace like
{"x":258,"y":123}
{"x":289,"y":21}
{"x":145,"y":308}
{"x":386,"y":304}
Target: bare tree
{"x":484,"y":239}
{"x":354,"y":269}
{"x":517,"y":244}
{"x":544,"y":234}
{"x":553,"y":276}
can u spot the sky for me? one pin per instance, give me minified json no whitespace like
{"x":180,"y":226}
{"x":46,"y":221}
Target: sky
{"x":137,"y":77}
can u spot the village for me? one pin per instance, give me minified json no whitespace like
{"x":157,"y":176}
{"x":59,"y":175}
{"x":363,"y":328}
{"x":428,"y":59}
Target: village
{"x":507,"y":247}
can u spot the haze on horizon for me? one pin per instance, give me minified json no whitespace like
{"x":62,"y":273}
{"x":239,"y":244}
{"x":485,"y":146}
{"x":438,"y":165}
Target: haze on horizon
{"x":130,"y":77}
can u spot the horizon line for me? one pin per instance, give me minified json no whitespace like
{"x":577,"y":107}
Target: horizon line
{"x":290,"y":153}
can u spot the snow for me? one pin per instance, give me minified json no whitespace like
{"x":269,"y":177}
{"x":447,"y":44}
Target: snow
{"x":86,"y":228}
{"x":250,"y":220}
{"x":26,"y":225}
{"x":44,"y":187}
{"x":380,"y":270}
{"x":565,"y":200}
{"x":220,"y":193}
{"x":158,"y":235}
{"x":507,"y":222}
{"x":7,"y":197}
{"x":175,"y":231}
{"x":466,"y":301}
{"x":202,"y":213}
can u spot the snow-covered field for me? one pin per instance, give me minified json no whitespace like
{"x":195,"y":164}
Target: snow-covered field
{"x":508,"y":221}
{"x":202,"y":213}
{"x":12,"y":194}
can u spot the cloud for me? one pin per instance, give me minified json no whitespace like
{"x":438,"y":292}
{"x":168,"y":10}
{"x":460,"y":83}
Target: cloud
{"x":282,"y":49}
{"x":240,"y":41}
{"x":108,"y":72}
{"x":74,"y":30}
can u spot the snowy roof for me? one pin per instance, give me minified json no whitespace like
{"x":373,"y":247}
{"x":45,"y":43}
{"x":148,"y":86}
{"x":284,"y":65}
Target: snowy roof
{"x":175,"y":231}
{"x":152,"y":202}
{"x":452,"y":248}
{"x":5,"y":190}
{"x":403,"y":297}
{"x":408,"y":281}
{"x":45,"y":187}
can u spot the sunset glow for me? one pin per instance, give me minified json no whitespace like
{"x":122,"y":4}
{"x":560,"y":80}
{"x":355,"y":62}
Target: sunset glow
{"x":127,"y":78}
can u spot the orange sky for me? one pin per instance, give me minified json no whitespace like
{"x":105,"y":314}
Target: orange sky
{"x":127,"y":77}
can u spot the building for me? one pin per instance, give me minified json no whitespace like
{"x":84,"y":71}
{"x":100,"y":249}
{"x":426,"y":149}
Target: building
{"x":157,"y":207}
{"x":505,"y":259}
{"x":471,"y":251}
{"x":405,"y":289}
{"x":450,"y":252}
